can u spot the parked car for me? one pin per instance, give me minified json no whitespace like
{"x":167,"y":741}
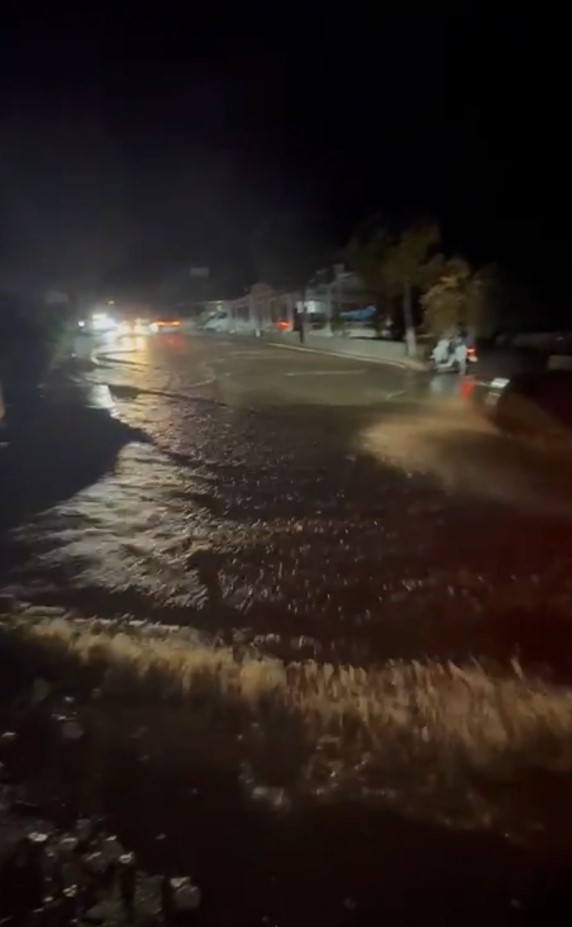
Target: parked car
{"x":534,"y":405}
{"x":217,"y":321}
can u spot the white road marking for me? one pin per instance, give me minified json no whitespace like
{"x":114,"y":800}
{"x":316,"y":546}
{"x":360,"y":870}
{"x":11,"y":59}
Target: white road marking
{"x":110,"y":357}
{"x":324,"y":373}
{"x":205,"y":382}
{"x":348,"y":357}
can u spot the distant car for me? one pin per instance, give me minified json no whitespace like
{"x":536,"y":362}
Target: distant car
{"x":218,"y":321}
{"x":136,"y":326}
{"x":97,"y":323}
{"x":165,"y":326}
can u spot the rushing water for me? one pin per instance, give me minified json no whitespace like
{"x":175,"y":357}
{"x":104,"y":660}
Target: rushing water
{"x":231,"y":508}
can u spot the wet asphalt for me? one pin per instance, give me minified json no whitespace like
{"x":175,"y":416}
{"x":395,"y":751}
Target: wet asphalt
{"x":318,"y":505}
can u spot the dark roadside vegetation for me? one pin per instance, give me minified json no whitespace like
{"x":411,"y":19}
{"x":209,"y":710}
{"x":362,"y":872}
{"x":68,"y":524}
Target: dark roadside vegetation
{"x":268,"y":778}
{"x":33,"y":338}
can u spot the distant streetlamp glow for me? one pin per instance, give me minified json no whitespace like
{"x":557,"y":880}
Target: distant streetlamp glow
{"x":102,"y":322}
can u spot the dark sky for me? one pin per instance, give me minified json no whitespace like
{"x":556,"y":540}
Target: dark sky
{"x":132,"y":147}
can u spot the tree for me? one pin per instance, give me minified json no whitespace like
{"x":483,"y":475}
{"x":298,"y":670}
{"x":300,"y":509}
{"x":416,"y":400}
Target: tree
{"x":409,"y":263}
{"x":33,"y":336}
{"x":460,"y":299}
{"x":396,"y":265}
{"x":446,"y":302}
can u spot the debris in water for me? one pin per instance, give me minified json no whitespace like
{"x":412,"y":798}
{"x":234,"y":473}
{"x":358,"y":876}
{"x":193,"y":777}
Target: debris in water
{"x":185,"y":894}
{"x":7,"y":738}
{"x":83,"y":829}
{"x":70,"y":897}
{"x":37,"y":838}
{"x":96,"y":863}
{"x":127,"y":878}
{"x":112,"y":849}
{"x":67,"y":845}
{"x":70,"y":728}
{"x":276,"y":797}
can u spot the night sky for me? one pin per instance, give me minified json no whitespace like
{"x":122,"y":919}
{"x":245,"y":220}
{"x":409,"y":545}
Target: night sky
{"x":133,"y":147}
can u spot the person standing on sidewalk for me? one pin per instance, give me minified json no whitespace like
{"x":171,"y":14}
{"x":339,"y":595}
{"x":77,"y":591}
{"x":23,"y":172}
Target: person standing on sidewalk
{"x":298,"y":325}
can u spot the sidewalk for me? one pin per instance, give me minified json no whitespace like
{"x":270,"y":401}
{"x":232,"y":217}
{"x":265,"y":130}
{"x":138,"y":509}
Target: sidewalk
{"x":370,"y":350}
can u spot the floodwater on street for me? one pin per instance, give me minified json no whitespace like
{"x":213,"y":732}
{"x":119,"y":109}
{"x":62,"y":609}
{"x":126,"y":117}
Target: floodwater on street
{"x":276,"y":492}
{"x":361,"y":590}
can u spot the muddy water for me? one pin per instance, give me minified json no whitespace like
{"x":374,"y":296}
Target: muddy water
{"x":352,"y":532}
{"x":202,"y":485}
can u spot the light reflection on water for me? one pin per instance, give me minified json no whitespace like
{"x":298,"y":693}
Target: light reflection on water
{"x":245,"y":521}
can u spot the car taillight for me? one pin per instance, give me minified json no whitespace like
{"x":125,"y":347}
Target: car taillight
{"x":466,"y":387}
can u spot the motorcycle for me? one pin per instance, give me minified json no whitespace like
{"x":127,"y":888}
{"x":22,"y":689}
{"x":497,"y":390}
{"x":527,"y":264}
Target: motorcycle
{"x":446,"y":357}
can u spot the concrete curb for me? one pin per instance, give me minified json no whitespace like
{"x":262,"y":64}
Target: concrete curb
{"x":414,"y":365}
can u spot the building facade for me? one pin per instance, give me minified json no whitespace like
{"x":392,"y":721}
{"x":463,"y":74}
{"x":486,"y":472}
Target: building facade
{"x":266,"y":309}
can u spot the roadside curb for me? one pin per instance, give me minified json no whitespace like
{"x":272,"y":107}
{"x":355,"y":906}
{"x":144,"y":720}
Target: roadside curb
{"x":412,"y":365}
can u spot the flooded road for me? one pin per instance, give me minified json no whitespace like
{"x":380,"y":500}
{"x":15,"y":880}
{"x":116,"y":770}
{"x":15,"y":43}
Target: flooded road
{"x":313,"y":623}
{"x":314,"y":503}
